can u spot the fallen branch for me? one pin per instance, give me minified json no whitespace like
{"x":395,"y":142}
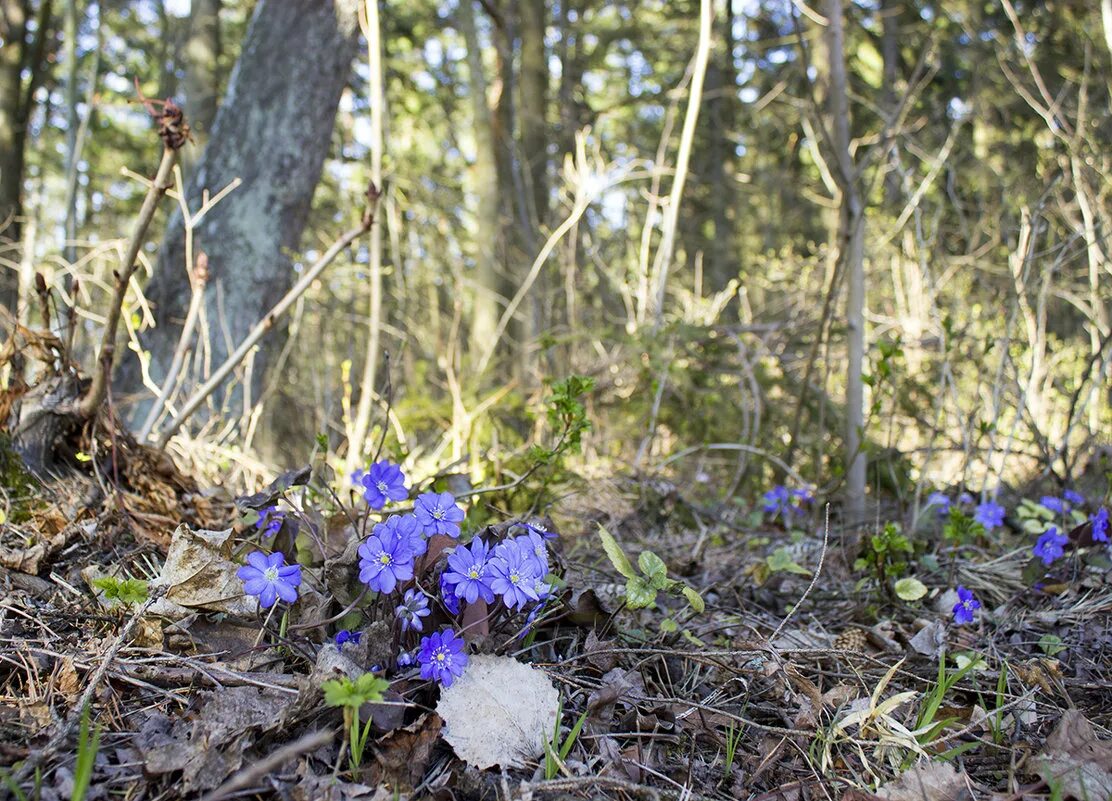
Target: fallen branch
{"x":263,"y":326}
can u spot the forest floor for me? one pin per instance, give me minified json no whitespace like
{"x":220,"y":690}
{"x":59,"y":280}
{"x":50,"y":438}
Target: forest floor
{"x":805,"y":676}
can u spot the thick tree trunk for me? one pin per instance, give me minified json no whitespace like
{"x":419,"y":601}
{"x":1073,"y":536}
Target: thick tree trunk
{"x":13,"y":30}
{"x":273,"y":131}
{"x":487,"y":295}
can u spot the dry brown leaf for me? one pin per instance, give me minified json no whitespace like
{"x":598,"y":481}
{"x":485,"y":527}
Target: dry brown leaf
{"x":1075,"y":761}
{"x":199,"y":574}
{"x":402,"y":756}
{"x":499,"y":712}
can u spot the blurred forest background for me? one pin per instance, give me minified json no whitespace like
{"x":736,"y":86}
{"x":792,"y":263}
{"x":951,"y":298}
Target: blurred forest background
{"x":869,"y":240}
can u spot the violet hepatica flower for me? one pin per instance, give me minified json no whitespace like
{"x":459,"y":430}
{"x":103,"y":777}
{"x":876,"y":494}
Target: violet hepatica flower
{"x":939,"y":500}
{"x":1050,"y":546}
{"x":1074,"y":498}
{"x":468,"y":574}
{"x":403,"y":529}
{"x":537,"y":549}
{"x":270,"y":578}
{"x":1100,"y":525}
{"x":442,"y":657}
{"x":965,"y":499}
{"x":513,"y":574}
{"x":965,"y":607}
{"x":990,"y":515}
{"x":405,"y":659}
{"x":1055,"y":505}
{"x":345,"y":636}
{"x":382,"y":564}
{"x":438,"y":513}
{"x":384,"y":482}
{"x":270,"y":521}
{"x":413,"y":607}
{"x":448,"y":595}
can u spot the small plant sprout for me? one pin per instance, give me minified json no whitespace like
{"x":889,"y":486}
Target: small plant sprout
{"x":127,"y":592}
{"x":966,"y":606}
{"x":88,"y":743}
{"x":733,"y":739}
{"x":350,"y":696}
{"x":555,"y":751}
{"x":270,"y":578}
{"x":642,"y":587}
{"x":1050,"y":546}
{"x":442,"y":657}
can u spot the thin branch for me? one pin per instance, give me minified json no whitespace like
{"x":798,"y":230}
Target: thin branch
{"x":264,"y":325}
{"x":93,"y":399}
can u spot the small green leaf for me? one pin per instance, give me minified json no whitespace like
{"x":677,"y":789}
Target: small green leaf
{"x":1051,"y":644}
{"x":639,"y":593}
{"x":910,"y":589}
{"x":652,"y":566}
{"x":781,"y":561}
{"x":667,"y":625}
{"x":616,"y":554}
{"x":695,"y":599}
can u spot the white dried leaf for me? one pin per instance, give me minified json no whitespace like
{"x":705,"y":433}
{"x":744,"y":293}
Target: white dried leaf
{"x":499,"y":712}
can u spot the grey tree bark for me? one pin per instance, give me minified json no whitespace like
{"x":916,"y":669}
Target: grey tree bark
{"x":273,"y":130}
{"x":202,"y":74}
{"x":852,"y":253}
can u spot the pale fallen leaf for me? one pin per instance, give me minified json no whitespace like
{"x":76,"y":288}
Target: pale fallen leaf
{"x":499,"y":712}
{"x":931,"y":781}
{"x":1075,"y":762}
{"x":929,"y":640}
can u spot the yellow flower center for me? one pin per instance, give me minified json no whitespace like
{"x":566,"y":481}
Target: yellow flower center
{"x":385,"y":559}
{"x":271,"y":574}
{"x":473,"y":573}
{"x":440,"y":657}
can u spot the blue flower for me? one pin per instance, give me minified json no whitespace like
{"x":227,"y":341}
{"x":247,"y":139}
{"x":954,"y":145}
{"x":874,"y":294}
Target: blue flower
{"x":1100,"y":525}
{"x":448,"y":595}
{"x":405,"y":659}
{"x":1050,"y":545}
{"x":537,"y":529}
{"x":413,"y":607}
{"x":784,"y":503}
{"x":382,"y":483}
{"x":537,"y":548}
{"x":990,"y":515}
{"x":1053,"y":504}
{"x":270,"y":521}
{"x":940,"y":500}
{"x":1074,"y":498}
{"x":345,"y":636}
{"x":382,"y":564}
{"x":965,"y":607}
{"x":438,"y":513}
{"x":514,"y":574}
{"x":270,"y":578}
{"x":442,"y":657}
{"x":469,"y":572}
{"x":405,"y":530}
{"x":965,"y":499}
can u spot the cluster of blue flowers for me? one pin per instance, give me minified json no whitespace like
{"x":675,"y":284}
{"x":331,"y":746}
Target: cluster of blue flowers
{"x":514,"y":570}
{"x":1050,"y":545}
{"x":989,"y":514}
{"x":787,"y":504}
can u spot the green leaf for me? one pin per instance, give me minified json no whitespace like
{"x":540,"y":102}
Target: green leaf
{"x":667,"y":625}
{"x":653,"y":567}
{"x":1051,"y":644}
{"x":345,"y":692}
{"x":639,"y":593}
{"x":781,"y":561}
{"x":910,"y":589}
{"x":616,"y":555}
{"x":695,"y":599}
